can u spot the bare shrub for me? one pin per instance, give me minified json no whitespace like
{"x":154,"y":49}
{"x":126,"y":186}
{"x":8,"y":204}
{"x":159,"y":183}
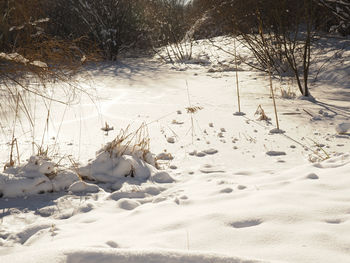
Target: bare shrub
{"x":168,"y":21}
{"x":30,"y":60}
{"x":341,"y":15}
{"x":113,"y":25}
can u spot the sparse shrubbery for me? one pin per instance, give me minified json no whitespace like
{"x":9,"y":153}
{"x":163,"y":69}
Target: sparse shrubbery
{"x":279,"y":34}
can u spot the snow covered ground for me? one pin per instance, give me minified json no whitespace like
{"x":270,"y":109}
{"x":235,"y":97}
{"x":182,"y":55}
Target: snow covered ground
{"x":225,"y":189}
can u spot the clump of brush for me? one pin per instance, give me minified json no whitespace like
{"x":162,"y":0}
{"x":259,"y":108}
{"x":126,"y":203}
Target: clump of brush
{"x":135,"y":143}
{"x":262,"y":115}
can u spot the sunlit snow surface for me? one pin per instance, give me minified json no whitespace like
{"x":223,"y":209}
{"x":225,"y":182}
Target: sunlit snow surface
{"x":226,"y":188}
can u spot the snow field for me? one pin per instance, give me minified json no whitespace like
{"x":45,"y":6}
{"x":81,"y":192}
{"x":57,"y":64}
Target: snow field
{"x":226,"y":188}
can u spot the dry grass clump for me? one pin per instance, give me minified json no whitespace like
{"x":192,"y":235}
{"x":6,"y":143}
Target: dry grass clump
{"x":135,"y":143}
{"x":31,"y":61}
{"x":288,"y":93}
{"x":193,"y":109}
{"x":262,"y":116}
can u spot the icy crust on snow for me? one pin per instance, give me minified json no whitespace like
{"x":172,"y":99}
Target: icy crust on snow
{"x":40,"y":175}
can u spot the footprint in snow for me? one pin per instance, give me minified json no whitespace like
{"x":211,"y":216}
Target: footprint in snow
{"x":226,"y":190}
{"x":173,"y":167}
{"x":112,"y":244}
{"x":207,"y":168}
{"x":334,"y":221}
{"x":241,"y":187}
{"x":170,"y":139}
{"x":243,"y":173}
{"x":312,"y":176}
{"x":203,"y":153}
{"x":211,"y":151}
{"x":246,"y":223}
{"x":200,"y":154}
{"x":275,"y":153}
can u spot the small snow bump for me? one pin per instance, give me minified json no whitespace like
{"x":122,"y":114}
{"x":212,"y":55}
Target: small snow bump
{"x":81,"y":186}
{"x":128,"y":204}
{"x":342,"y":128}
{"x":152,"y":190}
{"x":162,"y":178}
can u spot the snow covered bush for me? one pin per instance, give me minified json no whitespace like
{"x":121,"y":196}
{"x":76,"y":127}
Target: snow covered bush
{"x":127,"y":155}
{"x":125,"y":160}
{"x":38,"y":175}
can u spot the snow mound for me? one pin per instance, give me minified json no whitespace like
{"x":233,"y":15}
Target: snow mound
{"x":38,"y":175}
{"x":343,"y":128}
{"x":113,"y":164}
{"x":80,"y":186}
{"x":112,"y":167}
